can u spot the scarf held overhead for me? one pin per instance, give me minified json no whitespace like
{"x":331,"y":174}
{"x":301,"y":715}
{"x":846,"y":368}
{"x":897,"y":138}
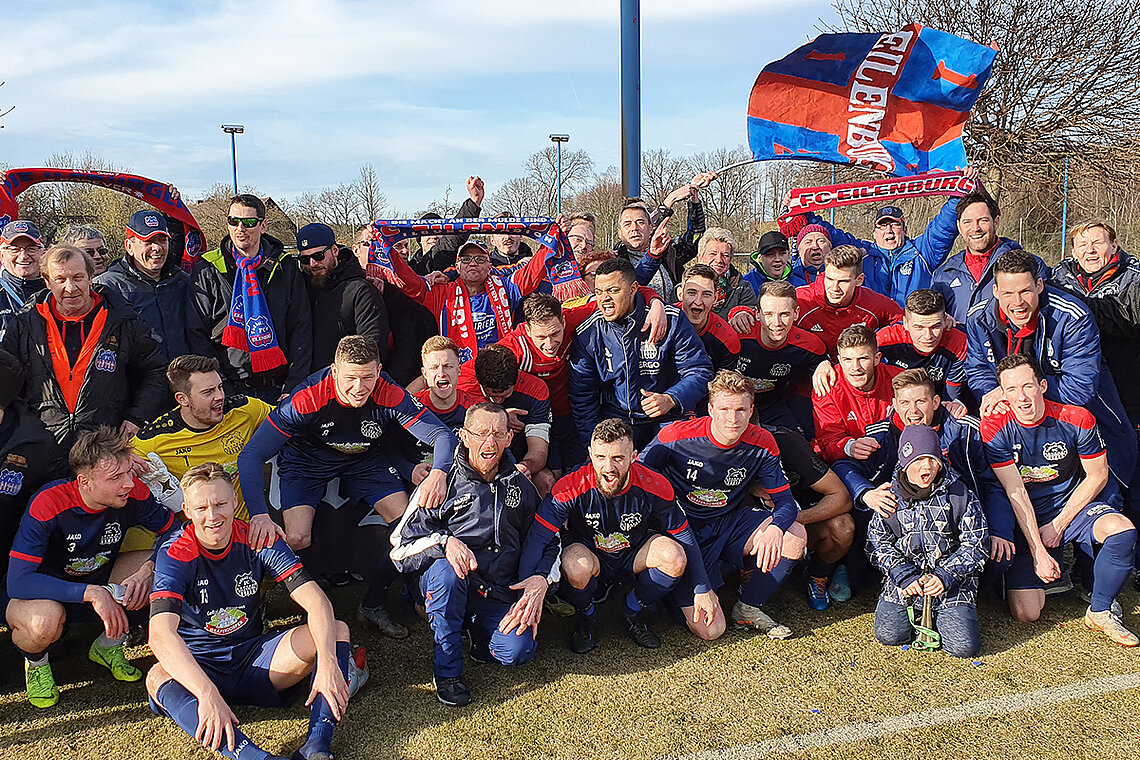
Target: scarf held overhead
{"x":250,"y":328}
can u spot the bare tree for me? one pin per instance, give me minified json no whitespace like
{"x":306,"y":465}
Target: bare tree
{"x":662,"y":173}
{"x":371,"y":200}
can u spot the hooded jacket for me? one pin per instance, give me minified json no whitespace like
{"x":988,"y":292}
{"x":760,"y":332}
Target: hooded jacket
{"x":346,"y":304}
{"x":492,"y":519}
{"x":210,"y":297}
{"x":954,"y":281}
{"x":160,"y":304}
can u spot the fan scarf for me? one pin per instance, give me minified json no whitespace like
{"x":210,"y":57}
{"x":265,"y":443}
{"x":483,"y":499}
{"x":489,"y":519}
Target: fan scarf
{"x":250,"y":327}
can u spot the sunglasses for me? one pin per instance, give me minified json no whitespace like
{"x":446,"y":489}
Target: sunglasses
{"x":309,"y":258}
{"x":247,"y":222}
{"x":100,"y":251}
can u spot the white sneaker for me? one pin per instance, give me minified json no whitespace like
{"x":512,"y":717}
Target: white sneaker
{"x":754,"y":618}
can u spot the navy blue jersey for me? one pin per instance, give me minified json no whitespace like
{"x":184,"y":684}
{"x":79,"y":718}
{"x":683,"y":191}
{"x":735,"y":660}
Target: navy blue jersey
{"x":217,"y":595}
{"x":62,"y":546}
{"x":720,"y":341}
{"x":617,"y":525}
{"x":946,"y":364}
{"x":531,"y":396}
{"x":711,"y":479}
{"x":777,"y":374}
{"x":1048,"y":455}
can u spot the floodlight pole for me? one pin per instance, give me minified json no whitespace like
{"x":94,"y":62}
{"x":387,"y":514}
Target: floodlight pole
{"x":558,"y":139}
{"x":232,"y":130}
{"x":631,"y":97}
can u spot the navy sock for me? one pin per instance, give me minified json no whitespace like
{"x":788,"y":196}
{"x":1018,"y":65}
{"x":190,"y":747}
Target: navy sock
{"x":582,"y":599}
{"x":382,"y":576}
{"x":652,"y":584}
{"x":321,"y":720}
{"x":182,"y":707}
{"x":761,"y":586}
{"x":1110,"y":571}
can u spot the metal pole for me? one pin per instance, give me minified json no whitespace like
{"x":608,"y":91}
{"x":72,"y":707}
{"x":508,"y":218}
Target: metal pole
{"x":630,"y":97}
{"x":233,"y":154}
{"x":833,"y":182}
{"x":1065,"y":208}
{"x":559,"y":143}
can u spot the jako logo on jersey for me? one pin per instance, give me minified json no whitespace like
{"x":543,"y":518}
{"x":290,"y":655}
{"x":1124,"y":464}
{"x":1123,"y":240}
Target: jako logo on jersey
{"x":695,"y":463}
{"x":734,"y":477}
{"x":629,"y":521}
{"x":105,"y":360}
{"x":1055,"y":451}
{"x":10,"y":482}
{"x":259,"y":332}
{"x":245,"y":585}
{"x":112,"y":534}
{"x":371,"y":429}
{"x":593,"y":519}
{"x":780,"y":370}
{"x":514,"y":497}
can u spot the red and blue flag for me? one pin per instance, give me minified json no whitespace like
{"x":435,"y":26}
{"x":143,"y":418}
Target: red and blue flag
{"x":895,"y":102}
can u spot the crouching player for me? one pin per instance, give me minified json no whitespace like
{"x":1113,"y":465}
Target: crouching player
{"x":621,"y":523}
{"x":206,"y":629}
{"x":1051,"y":461}
{"x":717,"y":465}
{"x":931,"y":549}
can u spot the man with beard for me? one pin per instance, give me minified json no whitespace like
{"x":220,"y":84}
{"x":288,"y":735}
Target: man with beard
{"x":619,"y":523}
{"x":342,"y":301}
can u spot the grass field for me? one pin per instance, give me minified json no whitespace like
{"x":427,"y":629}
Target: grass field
{"x":789,"y":699}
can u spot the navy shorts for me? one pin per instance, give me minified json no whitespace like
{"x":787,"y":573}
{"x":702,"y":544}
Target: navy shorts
{"x":617,"y":567}
{"x":367,"y":477}
{"x":567,"y":449}
{"x":241,"y":672}
{"x":721,"y":539}
{"x":1021,"y":574}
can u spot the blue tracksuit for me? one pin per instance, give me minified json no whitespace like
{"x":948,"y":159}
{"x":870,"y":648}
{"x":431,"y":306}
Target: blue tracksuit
{"x":954,"y":281}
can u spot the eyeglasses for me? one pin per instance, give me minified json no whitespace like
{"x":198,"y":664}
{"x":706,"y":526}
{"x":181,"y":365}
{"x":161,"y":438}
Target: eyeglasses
{"x":21,"y":248}
{"x":497,"y":435}
{"x":247,"y":222}
{"x":474,"y":259}
{"x":580,"y":238}
{"x":100,"y":251}
{"x":308,"y":258}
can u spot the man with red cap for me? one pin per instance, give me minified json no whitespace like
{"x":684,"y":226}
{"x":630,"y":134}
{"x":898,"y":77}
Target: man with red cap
{"x":152,"y":281}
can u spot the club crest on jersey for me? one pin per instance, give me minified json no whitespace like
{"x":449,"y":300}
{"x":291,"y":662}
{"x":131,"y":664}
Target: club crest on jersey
{"x":906,"y":269}
{"x":935,"y":372}
{"x":514,"y":497}
{"x":105,"y":360}
{"x":1055,"y":451}
{"x":780,"y":370}
{"x":245,"y":585}
{"x":10,"y":482}
{"x":232,"y":443}
{"x":708,"y":497}
{"x":86,"y":565}
{"x":371,"y":429}
{"x":226,"y":621}
{"x":629,"y":521}
{"x":614,"y":542}
{"x":112,"y":534}
{"x":735,"y":477}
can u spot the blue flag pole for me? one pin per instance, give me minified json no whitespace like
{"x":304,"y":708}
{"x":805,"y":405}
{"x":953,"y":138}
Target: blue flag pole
{"x":1065,"y":208}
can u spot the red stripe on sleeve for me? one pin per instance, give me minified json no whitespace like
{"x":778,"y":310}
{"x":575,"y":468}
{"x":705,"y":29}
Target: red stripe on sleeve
{"x":1006,"y":463}
{"x":781,"y":489}
{"x":26,"y":557}
{"x":546,"y":524}
{"x":675,"y":531}
{"x":279,"y":430}
{"x":165,"y":595}
{"x":412,"y":421}
{"x":288,"y":572}
{"x":1093,"y":456}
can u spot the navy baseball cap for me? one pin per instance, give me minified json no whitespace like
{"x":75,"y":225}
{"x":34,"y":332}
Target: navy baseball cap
{"x":146,"y":224}
{"x":889,"y":212}
{"x":21,"y":228}
{"x":314,"y":236}
{"x":771,"y":241}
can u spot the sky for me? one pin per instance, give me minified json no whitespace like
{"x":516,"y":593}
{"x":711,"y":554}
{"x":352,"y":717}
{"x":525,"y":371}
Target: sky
{"x":427,"y":91}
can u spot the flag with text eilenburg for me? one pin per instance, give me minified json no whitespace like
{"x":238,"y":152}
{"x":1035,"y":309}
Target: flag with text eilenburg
{"x":894,"y":101}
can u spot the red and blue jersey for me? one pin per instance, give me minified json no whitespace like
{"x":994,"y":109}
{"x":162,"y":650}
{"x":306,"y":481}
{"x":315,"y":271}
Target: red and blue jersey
{"x":1048,"y":454}
{"x":63,"y":546}
{"x":217,"y":595}
{"x":530,"y":396}
{"x":616,"y":526}
{"x":946,"y":364}
{"x":721,"y":342}
{"x":711,"y":479}
{"x":778,"y":374}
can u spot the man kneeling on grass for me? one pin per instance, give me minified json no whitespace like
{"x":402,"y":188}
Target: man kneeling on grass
{"x":206,"y":629}
{"x":933,"y":546}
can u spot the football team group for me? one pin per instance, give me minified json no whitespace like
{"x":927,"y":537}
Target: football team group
{"x":883,"y":416}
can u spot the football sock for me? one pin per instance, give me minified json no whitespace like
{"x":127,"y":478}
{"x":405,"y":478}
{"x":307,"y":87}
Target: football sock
{"x":1110,"y":571}
{"x":652,"y":584}
{"x":817,"y":568}
{"x":106,"y":642}
{"x":321,"y":720}
{"x":382,"y":575}
{"x":34,"y":659}
{"x":182,"y":707}
{"x":761,"y":586}
{"x":582,"y":599}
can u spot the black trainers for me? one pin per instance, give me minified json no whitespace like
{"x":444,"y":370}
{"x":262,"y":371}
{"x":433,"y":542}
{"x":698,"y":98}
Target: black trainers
{"x":640,"y":632}
{"x":452,"y":691}
{"x":583,"y":639}
{"x":379,"y":617}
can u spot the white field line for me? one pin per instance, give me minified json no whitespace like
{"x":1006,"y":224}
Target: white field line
{"x":853,"y":732}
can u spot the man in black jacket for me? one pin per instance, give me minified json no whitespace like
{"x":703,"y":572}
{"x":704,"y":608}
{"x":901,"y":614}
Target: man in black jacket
{"x":275,"y":279}
{"x":467,"y":551}
{"x":21,"y":248}
{"x":343,"y":302}
{"x":437,"y":252}
{"x":89,"y":359}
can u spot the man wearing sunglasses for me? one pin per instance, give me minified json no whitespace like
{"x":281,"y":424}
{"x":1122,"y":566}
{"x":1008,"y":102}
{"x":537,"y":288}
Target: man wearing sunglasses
{"x":249,"y":309}
{"x":21,"y":247}
{"x":89,"y":239}
{"x":151,"y":281}
{"x":342,"y":301}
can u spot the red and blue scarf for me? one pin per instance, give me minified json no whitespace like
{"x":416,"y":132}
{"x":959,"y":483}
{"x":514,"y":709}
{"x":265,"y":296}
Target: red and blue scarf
{"x":250,"y":327}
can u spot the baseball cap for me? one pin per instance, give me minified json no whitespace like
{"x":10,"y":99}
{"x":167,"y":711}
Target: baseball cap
{"x":771,"y":241}
{"x":479,"y":249}
{"x":146,"y":224}
{"x":21,"y":228}
{"x":314,"y":236}
{"x":889,"y":212}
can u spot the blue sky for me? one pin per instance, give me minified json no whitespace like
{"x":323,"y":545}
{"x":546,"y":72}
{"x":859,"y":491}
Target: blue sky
{"x":428,"y":91}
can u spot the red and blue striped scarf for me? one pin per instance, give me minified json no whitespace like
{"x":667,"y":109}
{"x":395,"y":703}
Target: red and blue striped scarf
{"x":250,"y":327}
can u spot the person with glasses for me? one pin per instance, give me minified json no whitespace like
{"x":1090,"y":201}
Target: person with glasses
{"x":152,"y":281}
{"x":21,"y":247}
{"x":249,"y":309}
{"x":466,"y":553}
{"x":91,"y":240}
{"x":342,"y":301}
